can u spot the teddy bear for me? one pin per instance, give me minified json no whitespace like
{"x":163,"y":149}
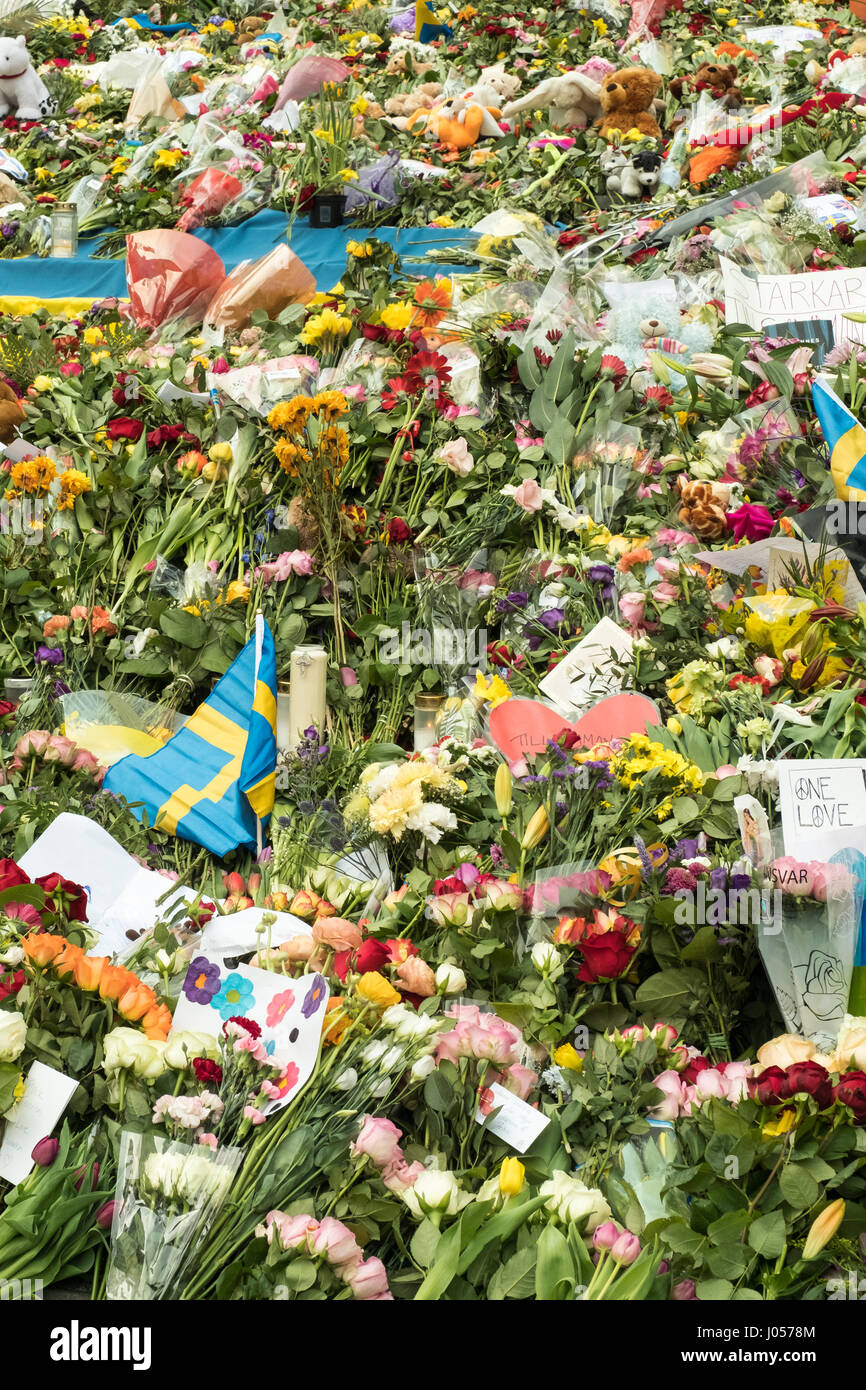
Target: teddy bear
{"x":20,"y":87}
{"x":715,"y":78}
{"x":650,"y":322}
{"x":455,"y":122}
{"x":626,"y":100}
{"x":404,"y":105}
{"x":11,"y":414}
{"x":494,"y":86}
{"x":408,"y":61}
{"x":570,"y":100}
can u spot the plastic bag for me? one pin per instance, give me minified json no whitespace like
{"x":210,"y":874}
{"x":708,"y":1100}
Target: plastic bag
{"x":206,"y":196}
{"x":270,"y":283}
{"x":110,"y":725}
{"x":152,"y":97}
{"x":309,"y":76}
{"x":170,"y":274}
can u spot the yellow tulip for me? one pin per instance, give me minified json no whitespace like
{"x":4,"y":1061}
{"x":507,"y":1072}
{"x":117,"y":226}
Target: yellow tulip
{"x":823,"y":1228}
{"x":511,"y":1176}
{"x":568,"y":1058}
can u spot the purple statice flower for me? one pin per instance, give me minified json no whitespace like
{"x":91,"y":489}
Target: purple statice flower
{"x":49,"y":656}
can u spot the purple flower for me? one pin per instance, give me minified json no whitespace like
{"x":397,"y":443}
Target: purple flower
{"x":202,"y":980}
{"x":496,"y":856}
{"x":685,"y":849}
{"x":552,"y":619}
{"x":740,"y":881}
{"x":8,"y":229}
{"x":719,"y":877}
{"x":315,"y":996}
{"x":512,"y":601}
{"x":602,"y":575}
{"x":60,"y":689}
{"x":50,"y":656}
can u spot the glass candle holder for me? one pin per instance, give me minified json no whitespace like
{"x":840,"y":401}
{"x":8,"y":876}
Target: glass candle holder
{"x":17,"y":687}
{"x":284,"y":709}
{"x":426,"y":709}
{"x":64,"y":230}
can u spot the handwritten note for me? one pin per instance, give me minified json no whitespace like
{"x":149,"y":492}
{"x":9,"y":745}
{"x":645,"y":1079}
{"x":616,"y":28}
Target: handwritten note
{"x":47,"y":1094}
{"x":761,"y":300}
{"x":592,"y":668}
{"x":822,"y":801}
{"x":517,"y":1123}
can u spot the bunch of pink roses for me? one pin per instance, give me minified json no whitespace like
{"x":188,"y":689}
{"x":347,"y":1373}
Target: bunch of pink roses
{"x":379,"y":1140}
{"x":54,"y":748}
{"x":485,"y":1037}
{"x":331,"y":1241}
{"x":812,"y":879}
{"x":728,"y":1082}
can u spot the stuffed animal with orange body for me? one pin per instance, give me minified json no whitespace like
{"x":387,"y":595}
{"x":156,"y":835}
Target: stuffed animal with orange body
{"x":626,"y":99}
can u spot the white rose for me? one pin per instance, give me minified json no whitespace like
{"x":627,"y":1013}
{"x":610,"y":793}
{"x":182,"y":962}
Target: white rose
{"x":545,"y":957}
{"x":450,"y":979}
{"x":127,"y":1048}
{"x":422,"y":1068}
{"x":13,"y":955}
{"x":13,"y":1035}
{"x":436,"y":1191}
{"x":571,"y":1200}
{"x":185,"y":1044}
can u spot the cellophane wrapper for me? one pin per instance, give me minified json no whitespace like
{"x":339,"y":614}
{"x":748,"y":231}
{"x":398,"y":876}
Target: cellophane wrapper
{"x":170,"y":275}
{"x":270,"y":283}
{"x":167,"y":1197}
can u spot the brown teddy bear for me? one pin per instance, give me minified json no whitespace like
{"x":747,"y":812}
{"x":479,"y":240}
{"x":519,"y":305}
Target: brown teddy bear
{"x":718,"y":80}
{"x":405,"y":104}
{"x":626,"y":99}
{"x":11,"y":413}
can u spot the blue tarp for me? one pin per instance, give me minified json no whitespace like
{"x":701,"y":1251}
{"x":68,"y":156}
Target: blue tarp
{"x":323,"y":251}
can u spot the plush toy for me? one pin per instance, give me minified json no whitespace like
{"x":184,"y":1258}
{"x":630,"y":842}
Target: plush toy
{"x":408,"y":59}
{"x":494,"y":86}
{"x":455,"y":123}
{"x":20,"y":87}
{"x":653,"y":323}
{"x":626,"y":99}
{"x":570,"y":100}
{"x":719,"y":81}
{"x":11,"y":413}
{"x":404,"y":105}
{"x":630,"y":175}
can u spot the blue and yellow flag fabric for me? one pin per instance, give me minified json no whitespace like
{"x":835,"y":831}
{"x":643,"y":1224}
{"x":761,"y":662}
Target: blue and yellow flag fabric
{"x":214,"y":781}
{"x":846,"y":440}
{"x":427,"y":26}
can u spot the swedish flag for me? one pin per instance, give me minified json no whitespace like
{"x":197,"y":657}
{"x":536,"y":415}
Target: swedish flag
{"x":846,"y":440}
{"x":427,"y":26}
{"x":213,"y":782}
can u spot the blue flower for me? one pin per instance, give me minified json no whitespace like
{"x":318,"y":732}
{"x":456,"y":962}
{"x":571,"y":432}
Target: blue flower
{"x":235,"y":997}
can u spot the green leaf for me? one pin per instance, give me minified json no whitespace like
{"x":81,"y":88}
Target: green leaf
{"x":768,"y":1235}
{"x":424,"y":1243}
{"x":798,"y":1187}
{"x":438,"y":1093}
{"x":703,"y":946}
{"x":672,"y":993}
{"x":516,"y":1278}
{"x":555,"y":1273}
{"x":184,"y":628}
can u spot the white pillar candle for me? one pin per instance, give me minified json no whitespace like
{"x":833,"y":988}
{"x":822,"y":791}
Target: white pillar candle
{"x":309,"y":671}
{"x":284,"y":720}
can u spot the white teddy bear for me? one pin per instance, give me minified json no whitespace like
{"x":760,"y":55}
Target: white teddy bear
{"x":20,"y":87}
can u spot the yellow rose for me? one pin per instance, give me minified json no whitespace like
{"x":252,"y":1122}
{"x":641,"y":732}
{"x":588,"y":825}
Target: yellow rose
{"x":43,"y":383}
{"x":376,"y":988}
{"x":851,"y":1046}
{"x":567,"y":1058}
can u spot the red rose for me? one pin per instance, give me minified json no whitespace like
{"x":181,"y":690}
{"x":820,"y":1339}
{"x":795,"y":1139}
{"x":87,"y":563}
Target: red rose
{"x":202,"y":914}
{"x":11,"y":875}
{"x":398,"y":531}
{"x":207,"y":1071}
{"x":771,"y":1087}
{"x":811,"y":1079}
{"x":605,"y":957}
{"x":851,"y":1091}
{"x":7,"y":707}
{"x":371,"y":955}
{"x":124,"y":428}
{"x":64,"y":896}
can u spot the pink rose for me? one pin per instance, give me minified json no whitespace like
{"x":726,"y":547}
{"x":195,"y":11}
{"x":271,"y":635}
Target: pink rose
{"x":736,"y":1076}
{"x":662,"y":593}
{"x":669,"y":1083}
{"x":337,"y":1243}
{"x":399,"y":1176}
{"x":291,"y":1230}
{"x":710,"y":1085}
{"x":456,"y":456}
{"x":449,"y":909}
{"x":378,"y":1140}
{"x":829,"y":880}
{"x":664,"y":1035}
{"x":495,"y":1044}
{"x":632,"y":606}
{"x":368,"y":1280}
{"x":529,"y":497}
{"x":793,"y":877}
{"x":519,"y":1080}
{"x":32,"y":744}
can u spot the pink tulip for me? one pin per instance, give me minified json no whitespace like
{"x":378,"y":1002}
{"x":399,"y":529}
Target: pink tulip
{"x":625,"y":1249}
{"x":605,"y":1236}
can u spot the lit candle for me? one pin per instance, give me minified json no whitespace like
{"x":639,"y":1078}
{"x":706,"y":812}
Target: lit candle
{"x":426,"y":709}
{"x":309,"y":671}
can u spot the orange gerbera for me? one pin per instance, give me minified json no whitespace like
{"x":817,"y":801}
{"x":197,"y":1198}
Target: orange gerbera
{"x":433,"y":300}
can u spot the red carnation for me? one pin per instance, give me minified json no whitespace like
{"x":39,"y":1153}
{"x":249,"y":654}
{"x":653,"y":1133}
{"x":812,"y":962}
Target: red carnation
{"x":207,"y":1071}
{"x":398,"y":531}
{"x":248,"y":1023}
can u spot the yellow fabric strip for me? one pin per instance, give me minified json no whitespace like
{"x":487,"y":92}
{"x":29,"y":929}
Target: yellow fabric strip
{"x":261,"y":796}
{"x":23,"y":304}
{"x":217,"y":730}
{"x":265,"y":704}
{"x":846,"y":454}
{"x":183,"y":800}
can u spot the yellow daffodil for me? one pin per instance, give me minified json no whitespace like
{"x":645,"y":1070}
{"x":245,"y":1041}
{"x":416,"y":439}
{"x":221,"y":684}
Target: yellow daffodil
{"x":495,"y":690}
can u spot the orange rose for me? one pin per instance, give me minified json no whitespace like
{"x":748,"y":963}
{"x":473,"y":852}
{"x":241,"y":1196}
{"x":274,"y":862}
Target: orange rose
{"x":88,"y":971}
{"x":157,"y":1023}
{"x":135,"y":1003}
{"x":325,"y":909}
{"x":114,"y":982}
{"x":337,"y":934}
{"x":42,"y":948}
{"x":67,"y":959}
{"x":417,"y":977}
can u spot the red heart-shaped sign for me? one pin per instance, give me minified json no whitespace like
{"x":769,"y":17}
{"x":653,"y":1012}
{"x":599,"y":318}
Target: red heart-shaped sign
{"x":521,"y":728}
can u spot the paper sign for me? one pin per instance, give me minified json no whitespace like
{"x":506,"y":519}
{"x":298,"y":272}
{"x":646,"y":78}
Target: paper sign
{"x":785,"y":38}
{"x":762,"y":300}
{"x":289,"y":1012}
{"x":776,"y":556}
{"x":46,"y":1095}
{"x":522,"y":728}
{"x":830,"y":209}
{"x":121,"y":895}
{"x":822,"y":802}
{"x":517,"y":1123}
{"x":590,"y":663}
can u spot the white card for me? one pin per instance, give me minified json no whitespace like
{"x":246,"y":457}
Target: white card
{"x":830,"y":209}
{"x":289,"y":1012}
{"x":121,"y":895}
{"x":823,"y":802}
{"x":589,"y":671}
{"x":517,"y":1123}
{"x":47,"y":1094}
{"x":235,"y":934}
